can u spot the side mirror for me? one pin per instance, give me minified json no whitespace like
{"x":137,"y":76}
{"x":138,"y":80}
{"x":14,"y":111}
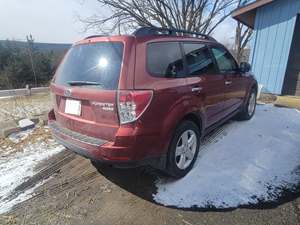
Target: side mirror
{"x":245,"y":67}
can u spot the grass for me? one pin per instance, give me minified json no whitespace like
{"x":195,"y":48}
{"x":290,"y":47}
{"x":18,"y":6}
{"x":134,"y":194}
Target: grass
{"x":15,"y":108}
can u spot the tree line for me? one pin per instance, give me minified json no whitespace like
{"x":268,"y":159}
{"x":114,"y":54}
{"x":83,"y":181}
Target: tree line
{"x":22,"y":65}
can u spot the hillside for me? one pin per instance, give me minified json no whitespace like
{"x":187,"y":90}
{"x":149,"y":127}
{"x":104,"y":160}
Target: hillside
{"x":43,"y":47}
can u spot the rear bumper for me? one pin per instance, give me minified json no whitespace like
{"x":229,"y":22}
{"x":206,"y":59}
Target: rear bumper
{"x":131,"y":155}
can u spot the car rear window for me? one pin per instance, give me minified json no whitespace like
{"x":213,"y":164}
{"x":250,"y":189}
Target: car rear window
{"x":164,"y":59}
{"x":92,"y":63}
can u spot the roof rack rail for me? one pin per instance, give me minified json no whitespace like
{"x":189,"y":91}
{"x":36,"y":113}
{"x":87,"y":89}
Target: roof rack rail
{"x":94,"y":36}
{"x":147,"y":31}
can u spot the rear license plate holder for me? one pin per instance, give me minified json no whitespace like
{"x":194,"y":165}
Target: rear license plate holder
{"x":73,"y":107}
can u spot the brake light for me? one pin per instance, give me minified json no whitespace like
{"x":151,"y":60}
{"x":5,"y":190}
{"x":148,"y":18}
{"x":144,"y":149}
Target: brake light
{"x":132,"y":104}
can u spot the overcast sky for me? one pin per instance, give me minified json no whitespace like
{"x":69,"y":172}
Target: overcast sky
{"x":57,"y":20}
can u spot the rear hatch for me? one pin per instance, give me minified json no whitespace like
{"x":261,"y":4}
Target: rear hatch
{"x":85,"y":89}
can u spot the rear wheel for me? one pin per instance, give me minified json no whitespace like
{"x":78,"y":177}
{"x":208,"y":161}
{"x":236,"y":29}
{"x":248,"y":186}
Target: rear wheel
{"x":249,"y":109}
{"x":183,"y":149}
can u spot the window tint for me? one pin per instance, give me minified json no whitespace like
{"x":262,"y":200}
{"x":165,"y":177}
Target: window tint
{"x":97,"y":62}
{"x":164,"y":59}
{"x":225,"y":61}
{"x":198,"y":59}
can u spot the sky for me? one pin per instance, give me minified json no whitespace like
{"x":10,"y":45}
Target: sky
{"x":56,"y":21}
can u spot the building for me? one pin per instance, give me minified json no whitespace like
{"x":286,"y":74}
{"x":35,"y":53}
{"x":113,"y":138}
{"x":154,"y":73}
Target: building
{"x":275,"y":54}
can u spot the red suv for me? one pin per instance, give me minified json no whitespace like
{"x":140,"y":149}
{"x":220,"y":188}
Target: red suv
{"x":147,"y":98}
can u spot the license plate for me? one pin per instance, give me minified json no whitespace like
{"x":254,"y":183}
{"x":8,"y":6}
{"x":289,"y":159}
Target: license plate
{"x":73,"y":107}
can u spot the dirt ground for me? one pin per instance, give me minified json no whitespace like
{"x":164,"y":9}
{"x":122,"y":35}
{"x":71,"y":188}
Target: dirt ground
{"x":82,"y":193}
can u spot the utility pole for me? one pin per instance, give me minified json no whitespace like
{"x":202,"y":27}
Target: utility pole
{"x":30,"y":53}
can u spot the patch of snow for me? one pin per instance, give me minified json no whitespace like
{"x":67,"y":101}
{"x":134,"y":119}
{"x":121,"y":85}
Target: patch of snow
{"x":246,"y":163}
{"x":15,"y":169}
{"x":19,"y":136}
{"x":27,"y":194}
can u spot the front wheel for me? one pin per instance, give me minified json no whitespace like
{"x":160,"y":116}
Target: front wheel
{"x":249,"y":108}
{"x":183,"y":149}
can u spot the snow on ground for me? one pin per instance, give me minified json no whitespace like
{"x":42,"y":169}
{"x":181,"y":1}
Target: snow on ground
{"x":20,"y":136}
{"x":248,"y":162}
{"x":17,"y":167}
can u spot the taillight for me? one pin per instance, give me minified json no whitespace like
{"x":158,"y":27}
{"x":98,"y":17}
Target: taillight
{"x":132,"y":104}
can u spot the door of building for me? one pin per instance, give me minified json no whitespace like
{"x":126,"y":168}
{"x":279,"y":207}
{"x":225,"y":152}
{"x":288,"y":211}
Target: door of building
{"x":292,"y":77}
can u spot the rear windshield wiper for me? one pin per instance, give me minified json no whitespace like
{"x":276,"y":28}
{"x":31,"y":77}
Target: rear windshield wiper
{"x":83,"y":83}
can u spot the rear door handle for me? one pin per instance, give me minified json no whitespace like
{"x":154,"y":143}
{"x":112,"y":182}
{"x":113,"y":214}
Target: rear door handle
{"x":228,"y":82}
{"x":196,"y":89}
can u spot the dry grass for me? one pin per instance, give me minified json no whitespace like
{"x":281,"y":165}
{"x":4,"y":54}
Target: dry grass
{"x":267,"y":98}
{"x":39,"y":134}
{"x":8,"y":220}
{"x":15,"y":108}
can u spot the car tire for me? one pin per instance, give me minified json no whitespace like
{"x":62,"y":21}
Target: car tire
{"x":248,"y":109}
{"x":183,"y":149}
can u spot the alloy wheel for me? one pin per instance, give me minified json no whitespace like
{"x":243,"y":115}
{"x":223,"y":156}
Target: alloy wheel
{"x":185,"y":149}
{"x":251,"y":104}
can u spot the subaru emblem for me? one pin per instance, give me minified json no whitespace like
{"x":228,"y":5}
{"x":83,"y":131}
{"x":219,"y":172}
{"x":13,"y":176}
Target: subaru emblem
{"x":68,"y":92}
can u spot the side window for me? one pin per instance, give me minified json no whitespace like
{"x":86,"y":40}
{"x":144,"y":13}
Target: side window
{"x":225,"y":61}
{"x":198,"y":59}
{"x":164,"y":59}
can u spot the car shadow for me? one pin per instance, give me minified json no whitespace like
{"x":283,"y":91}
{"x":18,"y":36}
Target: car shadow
{"x":141,"y":182}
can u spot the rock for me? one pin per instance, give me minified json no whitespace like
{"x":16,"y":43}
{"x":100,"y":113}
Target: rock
{"x":26,"y":124}
{"x":7,"y":128}
{"x":35,"y":119}
{"x":41,"y":118}
{"x":10,"y":131}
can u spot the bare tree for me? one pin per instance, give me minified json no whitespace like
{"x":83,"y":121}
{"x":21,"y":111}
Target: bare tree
{"x":193,"y":15}
{"x":243,"y":35}
{"x":30,"y":49}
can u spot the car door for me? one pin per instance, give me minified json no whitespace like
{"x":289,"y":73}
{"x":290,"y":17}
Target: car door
{"x":204,"y":82}
{"x":234,"y":82}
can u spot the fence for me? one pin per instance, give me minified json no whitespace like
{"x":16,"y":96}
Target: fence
{"x":23,"y":91}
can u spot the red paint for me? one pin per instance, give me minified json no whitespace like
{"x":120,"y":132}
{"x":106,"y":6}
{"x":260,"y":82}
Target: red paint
{"x":172,"y":100}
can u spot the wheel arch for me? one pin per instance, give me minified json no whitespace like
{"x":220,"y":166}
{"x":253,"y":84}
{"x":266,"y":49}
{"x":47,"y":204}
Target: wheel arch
{"x":254,"y":85}
{"x":192,"y":116}
{"x":169,"y":163}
